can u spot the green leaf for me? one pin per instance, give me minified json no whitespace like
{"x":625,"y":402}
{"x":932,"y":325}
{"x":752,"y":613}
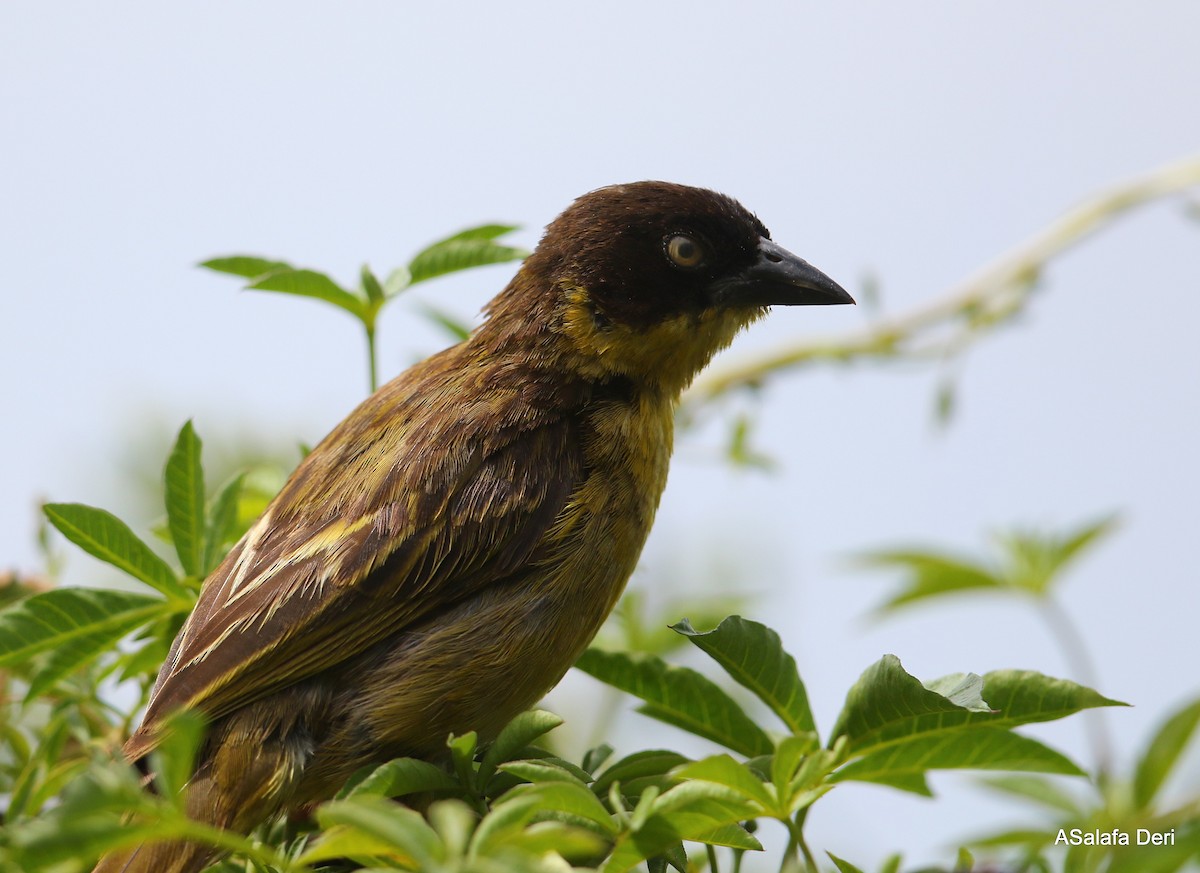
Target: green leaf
{"x":517,"y":734}
{"x":798,"y":770}
{"x":454,"y":821}
{"x":14,"y":587}
{"x":309,"y":283}
{"x":533,"y":754}
{"x":460,"y":252}
{"x":65,"y":660}
{"x":754,"y":656}
{"x":1034,"y":561}
{"x":650,"y":763}
{"x":961,"y":689}
{"x":536,"y":771}
{"x":503,"y":822}
{"x":945,"y":402}
{"x":1163,"y":751}
{"x":173,"y":761}
{"x":246,"y":266}
{"x":595,"y":757}
{"x":546,"y":840}
{"x":679,"y":696}
{"x":399,"y":777}
{"x":1025,"y":697}
{"x":142,"y":664}
{"x":398,"y":280}
{"x":104,"y":536}
{"x":843,"y":866}
{"x":457,"y":329}
{"x":984,"y":748}
{"x":903,"y":780}
{"x":343,"y":841}
{"x":641,"y":811}
{"x":788,"y":756}
{"x":930,"y":575}
{"x":699,"y":811}
{"x":370,"y":286}
{"x":887,"y":703}
{"x":384,"y":824}
{"x":40,"y":846}
{"x":222,"y":524}
{"x":483,"y":231}
{"x":462,"y":755}
{"x":1029,"y":563}
{"x":741,"y":451}
{"x":892,"y":863}
{"x":1038,"y":789}
{"x":184,"y":479}
{"x":567,"y":802}
{"x":636,"y":627}
{"x":77,"y":623}
{"x":23,"y":800}
{"x":724,"y":770}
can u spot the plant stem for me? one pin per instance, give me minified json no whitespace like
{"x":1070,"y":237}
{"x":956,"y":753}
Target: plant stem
{"x":808,"y":856}
{"x":1079,"y":660}
{"x":791,"y":858}
{"x":712,"y":857}
{"x":372,"y":362}
{"x":797,"y":846}
{"x":992,"y":296}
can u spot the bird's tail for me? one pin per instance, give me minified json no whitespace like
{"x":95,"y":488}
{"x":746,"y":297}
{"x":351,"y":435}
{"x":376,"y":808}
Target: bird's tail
{"x":167,"y":857}
{"x":239,"y":784}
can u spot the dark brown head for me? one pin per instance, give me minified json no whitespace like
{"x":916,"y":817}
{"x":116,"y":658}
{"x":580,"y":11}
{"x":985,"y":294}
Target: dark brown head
{"x":650,"y":279}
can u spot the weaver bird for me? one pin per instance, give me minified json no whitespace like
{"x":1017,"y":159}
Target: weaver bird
{"x":440,"y":560}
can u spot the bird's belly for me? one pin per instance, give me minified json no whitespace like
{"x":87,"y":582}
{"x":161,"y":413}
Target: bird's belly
{"x":479,"y":663}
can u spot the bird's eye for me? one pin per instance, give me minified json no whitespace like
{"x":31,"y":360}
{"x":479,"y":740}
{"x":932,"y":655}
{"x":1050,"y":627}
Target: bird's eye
{"x":684,"y":251}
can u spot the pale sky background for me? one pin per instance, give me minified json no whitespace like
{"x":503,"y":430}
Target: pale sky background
{"x":140,"y":138}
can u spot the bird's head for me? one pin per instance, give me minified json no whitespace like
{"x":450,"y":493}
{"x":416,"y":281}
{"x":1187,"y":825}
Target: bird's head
{"x":648,"y":280}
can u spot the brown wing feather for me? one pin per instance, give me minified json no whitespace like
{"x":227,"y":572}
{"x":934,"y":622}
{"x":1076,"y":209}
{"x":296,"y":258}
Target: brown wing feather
{"x":349,"y":552}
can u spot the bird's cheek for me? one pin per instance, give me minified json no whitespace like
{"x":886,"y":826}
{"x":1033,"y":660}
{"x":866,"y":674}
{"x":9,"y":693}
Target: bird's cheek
{"x":592,"y":334}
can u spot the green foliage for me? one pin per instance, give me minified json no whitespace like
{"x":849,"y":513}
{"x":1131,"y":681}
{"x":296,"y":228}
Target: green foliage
{"x":507,"y":804}
{"x":753,"y":655}
{"x":104,"y":536}
{"x":57,"y":645}
{"x":1029,"y":563}
{"x":679,"y":696}
{"x":473,"y":247}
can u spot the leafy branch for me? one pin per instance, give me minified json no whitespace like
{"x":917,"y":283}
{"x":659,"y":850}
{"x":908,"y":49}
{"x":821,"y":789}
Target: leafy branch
{"x":1029,"y":564}
{"x":473,"y":247}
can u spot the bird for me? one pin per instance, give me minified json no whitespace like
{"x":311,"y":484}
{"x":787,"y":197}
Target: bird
{"x":438,"y":562}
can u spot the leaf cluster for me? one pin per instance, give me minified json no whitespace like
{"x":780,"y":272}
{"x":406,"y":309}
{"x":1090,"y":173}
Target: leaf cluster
{"x":474,"y":247}
{"x":509,"y":805}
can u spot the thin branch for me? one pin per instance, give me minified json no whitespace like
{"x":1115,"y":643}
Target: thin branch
{"x":987,"y":299}
{"x":1079,"y":659}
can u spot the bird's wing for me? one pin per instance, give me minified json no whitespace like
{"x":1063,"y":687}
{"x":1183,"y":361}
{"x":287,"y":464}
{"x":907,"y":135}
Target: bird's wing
{"x":361,"y":543}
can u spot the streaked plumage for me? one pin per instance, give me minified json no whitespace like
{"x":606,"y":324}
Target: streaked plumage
{"x":443,"y":556}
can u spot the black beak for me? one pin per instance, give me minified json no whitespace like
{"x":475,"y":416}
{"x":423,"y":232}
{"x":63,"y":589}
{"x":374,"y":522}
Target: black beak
{"x":777,"y":277}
